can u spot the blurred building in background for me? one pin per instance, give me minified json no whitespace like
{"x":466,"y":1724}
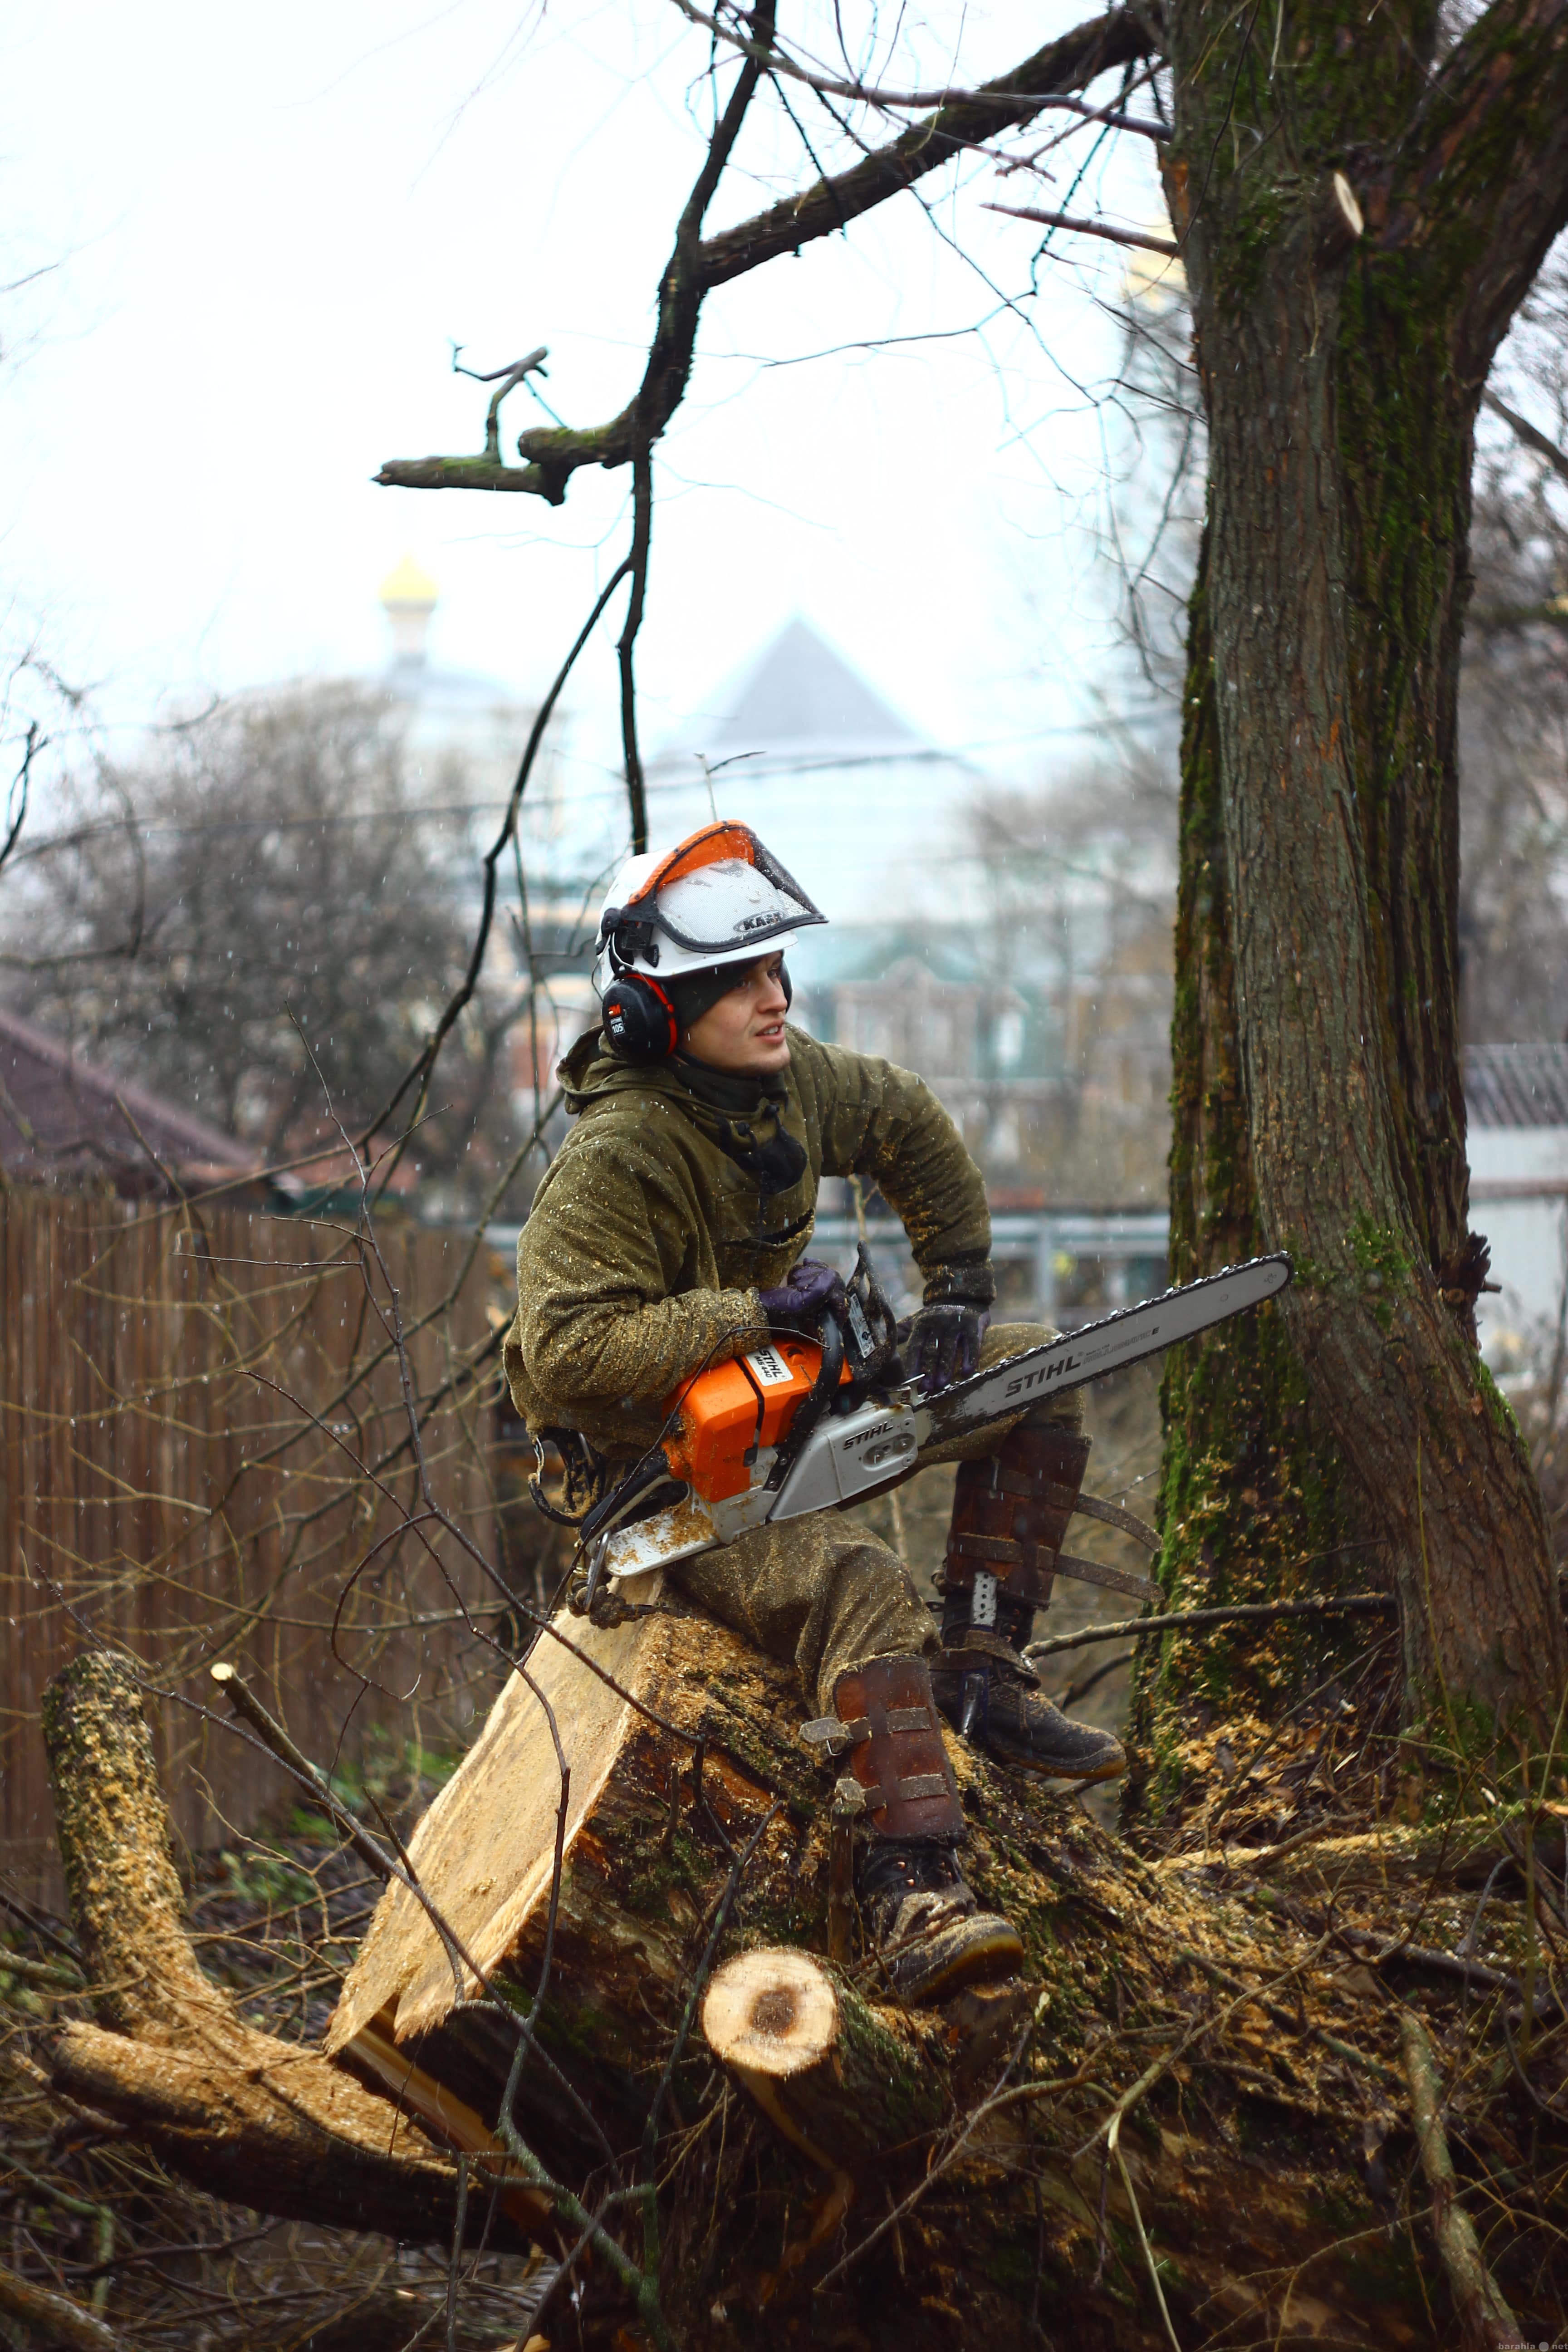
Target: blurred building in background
{"x":450,"y":720}
{"x":465,"y":734}
{"x":1516,"y":1101}
{"x":845,"y":793}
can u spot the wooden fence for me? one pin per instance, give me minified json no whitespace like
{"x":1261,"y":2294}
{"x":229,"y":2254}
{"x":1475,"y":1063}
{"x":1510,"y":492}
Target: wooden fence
{"x":208,"y":1452}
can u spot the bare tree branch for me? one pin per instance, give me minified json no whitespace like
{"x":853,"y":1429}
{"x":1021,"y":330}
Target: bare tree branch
{"x":1530,"y":435}
{"x":552,"y":454}
{"x":1119,"y":38}
{"x":1089,"y":228}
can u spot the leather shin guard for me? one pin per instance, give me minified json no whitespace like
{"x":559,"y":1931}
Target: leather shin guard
{"x":896,"y":1751}
{"x":1010,"y":1515}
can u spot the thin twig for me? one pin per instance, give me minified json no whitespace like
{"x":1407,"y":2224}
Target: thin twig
{"x":1076,"y":221}
{"x":1113,"y":2147}
{"x":1359,"y":1604}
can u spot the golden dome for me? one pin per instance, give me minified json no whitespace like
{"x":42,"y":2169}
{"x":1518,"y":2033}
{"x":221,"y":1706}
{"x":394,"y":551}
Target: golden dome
{"x":406,"y":583}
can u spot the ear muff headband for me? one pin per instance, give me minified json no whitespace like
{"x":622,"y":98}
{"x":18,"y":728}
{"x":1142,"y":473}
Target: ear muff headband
{"x":639,"y":1019}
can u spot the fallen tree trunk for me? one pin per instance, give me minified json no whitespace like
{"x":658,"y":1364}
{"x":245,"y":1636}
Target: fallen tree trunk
{"x":951,"y":2162}
{"x":238,"y":2112}
{"x":634,"y":1866}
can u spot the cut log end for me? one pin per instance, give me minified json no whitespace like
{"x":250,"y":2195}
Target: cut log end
{"x":852,"y":2086}
{"x":771,"y":2012}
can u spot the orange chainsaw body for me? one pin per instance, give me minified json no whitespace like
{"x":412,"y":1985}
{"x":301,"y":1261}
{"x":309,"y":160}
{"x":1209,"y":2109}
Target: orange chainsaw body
{"x":729,"y":1415}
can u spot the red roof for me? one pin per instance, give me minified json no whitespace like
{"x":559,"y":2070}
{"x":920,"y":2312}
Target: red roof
{"x":62,"y":1118}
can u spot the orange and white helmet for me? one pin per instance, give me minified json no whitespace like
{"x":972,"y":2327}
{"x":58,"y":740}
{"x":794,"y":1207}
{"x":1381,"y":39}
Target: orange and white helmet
{"x":717,"y":897}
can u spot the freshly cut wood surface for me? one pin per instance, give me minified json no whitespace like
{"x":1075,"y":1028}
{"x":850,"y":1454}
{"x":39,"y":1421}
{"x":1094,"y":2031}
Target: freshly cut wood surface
{"x":485,"y":1850}
{"x":855,"y":2087}
{"x":771,"y":2012}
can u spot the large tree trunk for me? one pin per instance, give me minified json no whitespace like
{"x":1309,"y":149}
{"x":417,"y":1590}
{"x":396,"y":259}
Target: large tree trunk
{"x":1318,"y":1092}
{"x":1251,"y":1497}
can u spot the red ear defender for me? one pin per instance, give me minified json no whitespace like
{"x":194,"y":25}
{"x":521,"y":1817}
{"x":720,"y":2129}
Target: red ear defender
{"x":639,"y":1019}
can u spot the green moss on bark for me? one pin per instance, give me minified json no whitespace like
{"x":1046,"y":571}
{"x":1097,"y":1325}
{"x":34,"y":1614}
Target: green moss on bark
{"x":1249,"y":1501}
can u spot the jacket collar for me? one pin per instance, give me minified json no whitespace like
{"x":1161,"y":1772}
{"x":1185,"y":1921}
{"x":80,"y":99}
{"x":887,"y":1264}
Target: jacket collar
{"x":590,"y":1071}
{"x":744,"y":1117}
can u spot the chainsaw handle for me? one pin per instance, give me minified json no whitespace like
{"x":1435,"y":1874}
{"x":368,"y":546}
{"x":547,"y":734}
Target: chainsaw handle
{"x":813,"y":1405}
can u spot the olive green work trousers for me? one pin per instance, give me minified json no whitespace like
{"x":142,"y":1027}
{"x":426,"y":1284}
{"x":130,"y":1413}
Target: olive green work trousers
{"x":826,"y":1593}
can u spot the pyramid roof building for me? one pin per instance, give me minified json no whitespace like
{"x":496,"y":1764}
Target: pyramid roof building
{"x":846,"y":792}
{"x":800,"y":700}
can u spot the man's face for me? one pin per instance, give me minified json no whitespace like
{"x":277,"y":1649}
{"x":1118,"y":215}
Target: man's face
{"x":744,"y":1032}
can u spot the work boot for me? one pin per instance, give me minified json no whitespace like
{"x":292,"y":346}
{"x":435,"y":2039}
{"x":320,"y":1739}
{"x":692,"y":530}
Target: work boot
{"x":1004,"y":1710}
{"x":929,"y":1930}
{"x":926,"y":1923}
{"x":1010,"y":1515}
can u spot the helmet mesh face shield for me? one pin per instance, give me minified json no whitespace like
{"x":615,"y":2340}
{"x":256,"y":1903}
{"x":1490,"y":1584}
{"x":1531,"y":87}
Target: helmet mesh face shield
{"x":719,"y":897}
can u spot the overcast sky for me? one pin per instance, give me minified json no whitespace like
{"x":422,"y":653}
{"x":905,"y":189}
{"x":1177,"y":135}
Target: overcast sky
{"x":270,"y":225}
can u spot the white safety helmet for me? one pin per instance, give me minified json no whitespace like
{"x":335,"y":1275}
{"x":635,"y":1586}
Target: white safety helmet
{"x":674,"y":924}
{"x":717,"y":897}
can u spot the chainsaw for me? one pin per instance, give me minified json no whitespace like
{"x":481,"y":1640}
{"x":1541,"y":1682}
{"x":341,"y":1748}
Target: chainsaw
{"x":802,"y":1424}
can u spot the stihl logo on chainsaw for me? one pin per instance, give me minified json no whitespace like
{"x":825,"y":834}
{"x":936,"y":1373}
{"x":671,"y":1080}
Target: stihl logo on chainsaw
{"x":1028,"y":1380}
{"x":788,"y":1429}
{"x":864,"y":1436}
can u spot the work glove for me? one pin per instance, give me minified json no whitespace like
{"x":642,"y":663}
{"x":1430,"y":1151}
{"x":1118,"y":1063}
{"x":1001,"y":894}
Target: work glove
{"x":804,"y":1296}
{"x":941,"y":1344}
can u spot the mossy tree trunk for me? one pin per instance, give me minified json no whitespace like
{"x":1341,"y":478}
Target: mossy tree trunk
{"x":1318,"y":1089}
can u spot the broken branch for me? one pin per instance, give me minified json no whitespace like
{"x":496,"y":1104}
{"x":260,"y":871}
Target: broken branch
{"x":240,"y":2113}
{"x":1484,"y":2316}
{"x":1089,"y":228}
{"x":48,"y":2318}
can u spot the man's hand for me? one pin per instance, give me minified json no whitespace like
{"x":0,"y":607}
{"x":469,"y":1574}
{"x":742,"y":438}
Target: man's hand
{"x":804,"y":1296}
{"x":941,"y":1343}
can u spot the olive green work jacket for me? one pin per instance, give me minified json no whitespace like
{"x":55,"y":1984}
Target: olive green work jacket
{"x":667,"y":1210}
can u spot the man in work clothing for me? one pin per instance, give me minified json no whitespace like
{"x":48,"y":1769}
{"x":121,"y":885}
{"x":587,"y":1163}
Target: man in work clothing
{"x":666,"y":1236}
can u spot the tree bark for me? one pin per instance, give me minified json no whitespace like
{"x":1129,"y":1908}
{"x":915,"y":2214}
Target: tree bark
{"x":240,"y":2113}
{"x":1340,"y":397}
{"x":1251,"y":1507}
